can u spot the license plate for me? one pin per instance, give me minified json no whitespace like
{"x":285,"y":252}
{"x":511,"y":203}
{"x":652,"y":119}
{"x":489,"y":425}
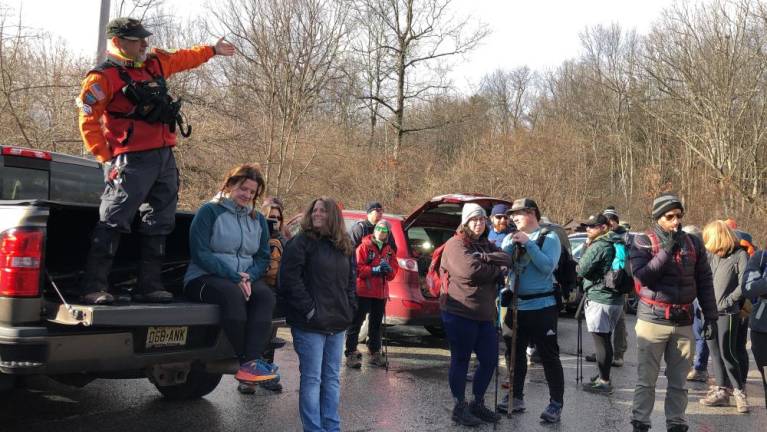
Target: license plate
{"x":161,"y":337}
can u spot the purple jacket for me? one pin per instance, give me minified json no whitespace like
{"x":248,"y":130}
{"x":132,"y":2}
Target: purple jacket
{"x":676,"y":279}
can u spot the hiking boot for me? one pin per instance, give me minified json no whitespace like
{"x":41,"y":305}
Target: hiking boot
{"x":517,"y":405}
{"x":463,"y":416}
{"x":159,"y":296}
{"x":639,"y":426}
{"x":598,"y":386}
{"x":98,"y":298}
{"x":697,"y":375}
{"x":591,"y":358}
{"x":480,"y":411}
{"x":272,"y":385}
{"x":741,"y":401}
{"x":677,"y":428}
{"x":617,"y":361}
{"x":353,"y":360}
{"x":255,"y":371}
{"x":718,"y":397}
{"x":552,"y":413}
{"x":377,"y":359}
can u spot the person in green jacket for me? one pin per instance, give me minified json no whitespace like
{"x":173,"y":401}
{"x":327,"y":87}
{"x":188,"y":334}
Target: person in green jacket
{"x":603,"y":304}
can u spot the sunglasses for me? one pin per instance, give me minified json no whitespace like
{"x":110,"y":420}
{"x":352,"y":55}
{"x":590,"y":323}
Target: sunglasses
{"x":500,"y":216}
{"x":671,"y":216}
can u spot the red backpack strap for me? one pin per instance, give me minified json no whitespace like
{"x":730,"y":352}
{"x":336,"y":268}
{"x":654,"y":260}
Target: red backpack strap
{"x":654,"y":242}
{"x":693,"y":249}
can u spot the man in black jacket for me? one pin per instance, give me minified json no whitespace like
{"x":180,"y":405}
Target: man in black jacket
{"x":365,"y":227}
{"x":672,"y":271}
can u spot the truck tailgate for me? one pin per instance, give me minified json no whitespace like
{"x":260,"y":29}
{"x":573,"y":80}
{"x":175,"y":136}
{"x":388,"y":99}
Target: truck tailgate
{"x":169,"y":314}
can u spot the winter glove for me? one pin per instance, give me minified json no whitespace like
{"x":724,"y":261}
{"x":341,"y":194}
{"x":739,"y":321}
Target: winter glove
{"x":709,"y":329}
{"x":376,"y":271}
{"x":385,"y":267}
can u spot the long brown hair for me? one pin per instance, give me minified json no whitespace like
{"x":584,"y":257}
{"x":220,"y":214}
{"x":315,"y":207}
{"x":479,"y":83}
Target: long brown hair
{"x":240,"y":173}
{"x":334,"y":229}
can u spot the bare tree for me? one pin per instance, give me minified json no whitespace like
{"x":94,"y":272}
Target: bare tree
{"x":510,"y":94}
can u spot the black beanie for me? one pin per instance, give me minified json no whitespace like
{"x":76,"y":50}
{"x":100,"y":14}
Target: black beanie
{"x":663,"y":203}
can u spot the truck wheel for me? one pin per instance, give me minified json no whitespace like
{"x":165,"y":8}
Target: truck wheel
{"x":198,"y":384}
{"x":437,"y":331}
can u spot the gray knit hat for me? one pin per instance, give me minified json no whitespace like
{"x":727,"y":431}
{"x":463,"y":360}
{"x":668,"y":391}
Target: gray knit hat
{"x":471,"y":210}
{"x":611,"y":213}
{"x":665,"y":202}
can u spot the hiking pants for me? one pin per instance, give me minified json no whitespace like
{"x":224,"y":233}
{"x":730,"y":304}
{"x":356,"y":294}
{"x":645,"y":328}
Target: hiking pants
{"x":759,"y":350}
{"x":465,"y":336}
{"x":540,"y":328}
{"x":620,"y":337}
{"x":701,"y":347}
{"x":723,"y":349}
{"x":246,"y":323}
{"x":656,"y":342}
{"x":375,"y":307}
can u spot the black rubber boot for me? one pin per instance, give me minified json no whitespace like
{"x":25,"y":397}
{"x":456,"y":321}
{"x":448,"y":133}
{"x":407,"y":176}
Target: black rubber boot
{"x":463,"y":416}
{"x":104,"y":244}
{"x":150,"y":288}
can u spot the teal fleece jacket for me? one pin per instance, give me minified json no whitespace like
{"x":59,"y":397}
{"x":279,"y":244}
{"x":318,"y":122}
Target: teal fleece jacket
{"x":225,"y":239}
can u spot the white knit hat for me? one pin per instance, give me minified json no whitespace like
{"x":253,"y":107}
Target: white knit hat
{"x":471,"y":210}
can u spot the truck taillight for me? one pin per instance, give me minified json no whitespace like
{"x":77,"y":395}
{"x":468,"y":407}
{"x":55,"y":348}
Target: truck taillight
{"x":20,"y":254}
{"x":23,"y":152}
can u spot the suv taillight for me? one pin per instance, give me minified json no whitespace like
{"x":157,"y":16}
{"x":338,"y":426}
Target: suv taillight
{"x":20,"y":254}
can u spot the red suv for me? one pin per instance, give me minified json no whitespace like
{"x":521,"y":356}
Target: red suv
{"x":417,"y":236}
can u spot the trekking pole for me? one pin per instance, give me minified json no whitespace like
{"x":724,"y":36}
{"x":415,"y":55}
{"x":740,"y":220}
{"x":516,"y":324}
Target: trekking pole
{"x":498,"y":331}
{"x":514,"y":326}
{"x":383,"y":325}
{"x":579,"y":343}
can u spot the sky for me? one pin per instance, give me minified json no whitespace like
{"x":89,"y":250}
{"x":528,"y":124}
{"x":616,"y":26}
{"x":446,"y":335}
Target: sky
{"x":538,"y":33}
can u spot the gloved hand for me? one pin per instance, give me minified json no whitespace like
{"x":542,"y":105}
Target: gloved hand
{"x":376,"y":270}
{"x":505,"y":294}
{"x":709,"y":329}
{"x":385,"y":267}
{"x":674,"y":241}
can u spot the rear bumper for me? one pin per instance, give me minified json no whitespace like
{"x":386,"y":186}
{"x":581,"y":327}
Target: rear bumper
{"x":407,"y":311}
{"x":40,"y":350}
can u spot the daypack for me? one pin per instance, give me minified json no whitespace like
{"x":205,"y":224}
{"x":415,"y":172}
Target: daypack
{"x":565,"y":272}
{"x":436,"y":282}
{"x":618,"y":278}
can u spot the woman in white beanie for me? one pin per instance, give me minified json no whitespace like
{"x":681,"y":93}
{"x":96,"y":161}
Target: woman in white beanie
{"x":472,"y":268}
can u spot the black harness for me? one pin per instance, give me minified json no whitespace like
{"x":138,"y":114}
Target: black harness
{"x":152,"y":102}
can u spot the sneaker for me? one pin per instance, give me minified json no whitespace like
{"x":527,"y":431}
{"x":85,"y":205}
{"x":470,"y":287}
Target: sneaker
{"x":463,"y":416}
{"x":159,"y":296}
{"x":517,"y":405}
{"x":353,"y":360}
{"x":741,"y":401}
{"x":377,"y":359}
{"x":697,"y":375}
{"x":255,"y":371}
{"x":598,"y":386}
{"x":98,"y":298}
{"x":718,"y":397}
{"x":638,"y":426}
{"x":591,"y":358}
{"x":617,"y":361}
{"x":552,"y":413}
{"x":480,"y":411}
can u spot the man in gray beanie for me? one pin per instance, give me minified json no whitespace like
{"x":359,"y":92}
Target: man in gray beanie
{"x":671,"y":270}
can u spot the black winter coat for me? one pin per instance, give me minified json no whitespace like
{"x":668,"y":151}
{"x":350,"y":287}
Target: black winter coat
{"x":317,"y":285}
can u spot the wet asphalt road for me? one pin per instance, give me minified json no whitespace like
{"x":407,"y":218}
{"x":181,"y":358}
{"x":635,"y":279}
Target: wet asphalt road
{"x":412,"y":396}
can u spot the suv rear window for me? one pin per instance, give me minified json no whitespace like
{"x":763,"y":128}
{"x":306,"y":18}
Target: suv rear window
{"x":23,"y":183}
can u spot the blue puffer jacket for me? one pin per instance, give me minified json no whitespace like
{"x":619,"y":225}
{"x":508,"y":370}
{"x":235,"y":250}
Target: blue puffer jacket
{"x":225,"y":239}
{"x":755,"y":288}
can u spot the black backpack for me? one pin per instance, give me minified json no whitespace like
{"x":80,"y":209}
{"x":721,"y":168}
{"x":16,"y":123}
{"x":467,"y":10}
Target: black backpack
{"x":565,"y":273}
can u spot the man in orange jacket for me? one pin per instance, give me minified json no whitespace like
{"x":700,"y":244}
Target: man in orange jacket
{"x":128,"y":121}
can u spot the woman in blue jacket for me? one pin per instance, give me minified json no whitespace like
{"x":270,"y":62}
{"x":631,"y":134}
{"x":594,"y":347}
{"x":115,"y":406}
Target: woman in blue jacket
{"x":755,"y":288}
{"x":229,"y":245}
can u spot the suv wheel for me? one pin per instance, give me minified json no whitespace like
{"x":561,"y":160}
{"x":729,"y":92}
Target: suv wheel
{"x":198,"y":384}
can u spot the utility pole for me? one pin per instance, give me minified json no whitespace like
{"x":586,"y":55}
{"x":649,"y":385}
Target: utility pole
{"x":103,"y":19}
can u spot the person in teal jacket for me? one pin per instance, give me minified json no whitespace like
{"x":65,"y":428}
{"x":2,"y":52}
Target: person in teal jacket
{"x":603,"y":305}
{"x":229,"y":246}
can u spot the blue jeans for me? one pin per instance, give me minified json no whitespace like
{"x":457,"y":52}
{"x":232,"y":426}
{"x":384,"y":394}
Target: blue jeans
{"x":701,"y":349}
{"x":319,"y":362}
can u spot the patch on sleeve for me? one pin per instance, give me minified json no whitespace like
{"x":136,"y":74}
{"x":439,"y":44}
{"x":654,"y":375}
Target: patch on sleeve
{"x":97,"y":92}
{"x":89,"y":98}
{"x":84,"y":107}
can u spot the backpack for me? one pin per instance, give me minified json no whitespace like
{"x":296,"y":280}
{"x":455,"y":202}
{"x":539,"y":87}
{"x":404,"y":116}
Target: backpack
{"x":618,"y":278}
{"x":565,"y":273}
{"x":436,"y":282}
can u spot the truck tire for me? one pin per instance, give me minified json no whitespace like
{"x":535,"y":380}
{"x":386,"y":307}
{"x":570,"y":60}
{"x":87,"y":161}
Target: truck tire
{"x":198,"y":384}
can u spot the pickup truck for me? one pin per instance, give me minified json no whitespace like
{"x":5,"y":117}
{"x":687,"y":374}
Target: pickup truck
{"x":48,"y":207}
